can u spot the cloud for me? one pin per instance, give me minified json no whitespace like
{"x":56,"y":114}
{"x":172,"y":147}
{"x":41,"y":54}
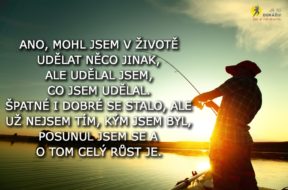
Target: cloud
{"x":250,"y":34}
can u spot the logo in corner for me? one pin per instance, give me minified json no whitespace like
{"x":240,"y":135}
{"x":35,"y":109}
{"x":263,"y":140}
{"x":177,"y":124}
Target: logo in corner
{"x":256,"y":10}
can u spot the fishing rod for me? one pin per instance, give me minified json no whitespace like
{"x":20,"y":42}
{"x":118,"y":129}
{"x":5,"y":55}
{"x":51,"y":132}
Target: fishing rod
{"x":178,"y":71}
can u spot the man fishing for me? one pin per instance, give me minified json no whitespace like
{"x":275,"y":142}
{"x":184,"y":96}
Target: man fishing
{"x":231,"y":142}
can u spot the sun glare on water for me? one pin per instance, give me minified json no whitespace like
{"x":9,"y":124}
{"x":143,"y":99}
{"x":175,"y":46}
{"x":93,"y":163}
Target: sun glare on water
{"x":203,"y":166}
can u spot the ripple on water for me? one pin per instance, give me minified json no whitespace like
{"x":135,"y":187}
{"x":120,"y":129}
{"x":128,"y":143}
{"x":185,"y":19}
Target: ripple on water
{"x":21,"y":169}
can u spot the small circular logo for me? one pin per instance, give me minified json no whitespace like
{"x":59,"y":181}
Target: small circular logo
{"x":256,"y":10}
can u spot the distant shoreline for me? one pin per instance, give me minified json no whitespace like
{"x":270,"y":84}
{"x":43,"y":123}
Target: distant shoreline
{"x":265,"y":150}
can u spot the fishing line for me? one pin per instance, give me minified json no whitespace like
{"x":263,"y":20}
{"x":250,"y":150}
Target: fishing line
{"x":178,"y":71}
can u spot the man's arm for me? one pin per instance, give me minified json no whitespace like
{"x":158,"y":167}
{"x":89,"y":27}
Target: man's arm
{"x":206,"y":98}
{"x":212,"y":105}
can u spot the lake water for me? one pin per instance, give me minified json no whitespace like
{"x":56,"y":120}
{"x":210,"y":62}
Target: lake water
{"x":21,"y":169}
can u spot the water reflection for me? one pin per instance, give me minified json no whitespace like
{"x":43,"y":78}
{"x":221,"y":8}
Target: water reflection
{"x":21,"y":169}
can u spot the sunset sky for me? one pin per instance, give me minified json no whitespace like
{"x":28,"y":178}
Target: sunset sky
{"x":212,"y":35}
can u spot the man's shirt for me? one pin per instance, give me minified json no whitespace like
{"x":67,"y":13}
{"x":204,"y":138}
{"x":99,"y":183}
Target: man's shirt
{"x":241,"y":101}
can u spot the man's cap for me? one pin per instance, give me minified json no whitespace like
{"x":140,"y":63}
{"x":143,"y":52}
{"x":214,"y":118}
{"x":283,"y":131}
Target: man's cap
{"x":247,"y":65}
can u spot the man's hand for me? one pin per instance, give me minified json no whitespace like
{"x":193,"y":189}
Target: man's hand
{"x":199,"y":100}
{"x":197,"y":103}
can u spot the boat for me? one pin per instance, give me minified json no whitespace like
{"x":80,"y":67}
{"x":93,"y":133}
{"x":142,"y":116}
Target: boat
{"x":200,"y":181}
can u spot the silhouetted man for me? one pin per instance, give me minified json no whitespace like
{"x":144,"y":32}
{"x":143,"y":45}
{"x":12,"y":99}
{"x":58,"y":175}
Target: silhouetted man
{"x":231,"y":141}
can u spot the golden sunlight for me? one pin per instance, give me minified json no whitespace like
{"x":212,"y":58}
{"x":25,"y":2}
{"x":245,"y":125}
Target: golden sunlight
{"x":203,"y":126}
{"x":203,"y":166}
